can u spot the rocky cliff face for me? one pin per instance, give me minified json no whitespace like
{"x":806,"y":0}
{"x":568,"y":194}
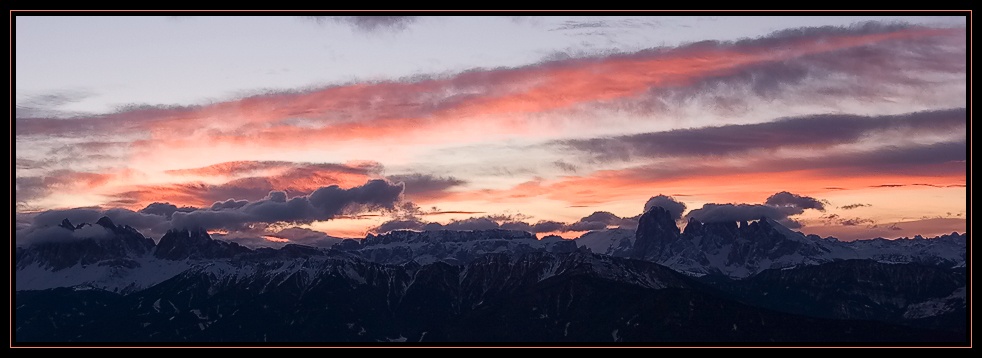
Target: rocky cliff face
{"x":195,"y":244}
{"x":743,"y":249}
{"x":455,"y":247}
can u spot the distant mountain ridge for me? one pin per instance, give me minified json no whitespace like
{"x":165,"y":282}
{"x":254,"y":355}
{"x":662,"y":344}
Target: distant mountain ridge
{"x":744,"y":249}
{"x":123,"y":244}
{"x":455,"y":247}
{"x":716,"y":282}
{"x":729,"y":249}
{"x":531,"y":297}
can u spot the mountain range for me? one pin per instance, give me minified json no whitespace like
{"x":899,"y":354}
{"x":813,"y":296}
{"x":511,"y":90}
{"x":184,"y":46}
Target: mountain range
{"x":713,"y":282}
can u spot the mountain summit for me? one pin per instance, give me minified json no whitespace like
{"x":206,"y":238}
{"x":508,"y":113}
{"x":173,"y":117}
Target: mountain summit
{"x":742,"y":249}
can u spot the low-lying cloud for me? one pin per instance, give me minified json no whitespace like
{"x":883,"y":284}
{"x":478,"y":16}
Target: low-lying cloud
{"x":251,"y":217}
{"x":598,"y":220}
{"x":370,"y":24}
{"x":777,"y":207}
{"x":323,"y":204}
{"x":674,"y":207}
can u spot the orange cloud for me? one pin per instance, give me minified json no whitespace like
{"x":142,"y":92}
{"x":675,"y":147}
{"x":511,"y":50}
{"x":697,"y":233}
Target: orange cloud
{"x":293,"y":178}
{"x":275,"y":238}
{"x":470,"y":106}
{"x":411,"y":110}
{"x":721,"y":184}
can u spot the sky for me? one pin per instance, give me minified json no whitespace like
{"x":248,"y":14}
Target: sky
{"x":277,"y":129}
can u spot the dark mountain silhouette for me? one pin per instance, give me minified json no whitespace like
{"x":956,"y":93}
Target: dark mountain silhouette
{"x":487,"y":286}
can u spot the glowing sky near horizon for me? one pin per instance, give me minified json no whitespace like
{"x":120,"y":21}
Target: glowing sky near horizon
{"x":366,"y":122}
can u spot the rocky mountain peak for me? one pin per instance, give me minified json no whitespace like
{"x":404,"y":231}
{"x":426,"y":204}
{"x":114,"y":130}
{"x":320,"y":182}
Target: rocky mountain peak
{"x":104,"y":222}
{"x":656,"y":231}
{"x":195,"y":244}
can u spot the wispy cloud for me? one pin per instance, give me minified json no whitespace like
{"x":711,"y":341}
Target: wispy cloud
{"x":941,"y":163}
{"x":425,"y":186}
{"x":405,"y":108}
{"x":810,"y":132}
{"x":48,"y":104}
{"x":369,"y":24}
{"x":854,"y":206}
{"x":588,"y":129}
{"x":323,"y":204}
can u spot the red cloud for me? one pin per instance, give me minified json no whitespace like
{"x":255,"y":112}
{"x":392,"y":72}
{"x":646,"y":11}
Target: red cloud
{"x":413,"y":110}
{"x":293,"y":178}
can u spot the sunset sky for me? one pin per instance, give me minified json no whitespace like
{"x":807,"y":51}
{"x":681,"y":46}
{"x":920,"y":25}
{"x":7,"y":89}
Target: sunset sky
{"x":270,"y":130}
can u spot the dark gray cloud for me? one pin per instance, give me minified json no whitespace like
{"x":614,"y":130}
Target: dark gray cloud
{"x":54,"y":99}
{"x":75,"y":215}
{"x":896,"y":60}
{"x":605,"y":26}
{"x":44,"y":235}
{"x":425,"y":185}
{"x":44,"y":226}
{"x":517,"y":225}
{"x":75,"y":151}
{"x":571,"y":25}
{"x":596,"y":221}
{"x":858,"y":221}
{"x":884,"y":67}
{"x":915,"y":184}
{"x":296,"y":179}
{"x":60,"y":234}
{"x":46,"y":104}
{"x":712,"y":212}
{"x":674,"y":207}
{"x":126,"y":119}
{"x":786,"y":199}
{"x":29,"y":188}
{"x":137,"y":220}
{"x":548,"y":226}
{"x":24,"y":163}
{"x":566,"y":167}
{"x":370,"y":24}
{"x":816,"y":131}
{"x":442,"y":212}
{"x":243,"y":217}
{"x":165,"y":209}
{"x":323,"y":204}
{"x":937,"y":159}
{"x":294,"y":170}
{"x":853,"y":206}
{"x":834,"y":219}
{"x":147,"y":223}
{"x":587,"y":226}
{"x":229,"y":204}
{"x":92,"y":232}
{"x":892,"y":62}
{"x":473,"y":223}
{"x":601,"y":216}
{"x":777,"y":207}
